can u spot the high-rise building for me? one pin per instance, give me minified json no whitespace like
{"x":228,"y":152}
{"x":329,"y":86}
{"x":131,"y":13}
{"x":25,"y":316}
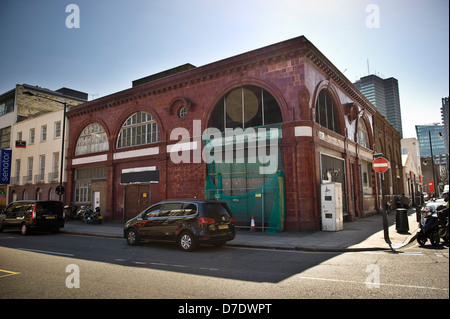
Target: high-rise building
{"x":433,"y":132}
{"x":384,"y":94}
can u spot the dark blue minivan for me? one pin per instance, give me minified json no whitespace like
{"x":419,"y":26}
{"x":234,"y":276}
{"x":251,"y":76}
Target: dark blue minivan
{"x":189,"y":222}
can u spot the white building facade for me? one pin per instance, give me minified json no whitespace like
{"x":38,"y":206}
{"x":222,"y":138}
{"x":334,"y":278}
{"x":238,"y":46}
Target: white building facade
{"x":36,"y":157}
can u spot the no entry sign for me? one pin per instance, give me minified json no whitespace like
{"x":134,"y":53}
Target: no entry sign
{"x":380,"y":165}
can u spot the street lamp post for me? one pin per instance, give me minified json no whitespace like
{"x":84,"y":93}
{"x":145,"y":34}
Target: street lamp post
{"x":432,"y":163}
{"x":60,"y":188}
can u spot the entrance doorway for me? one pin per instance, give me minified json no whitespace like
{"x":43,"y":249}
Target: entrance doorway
{"x":138,"y":197}
{"x":141,"y":189}
{"x":333,"y":170}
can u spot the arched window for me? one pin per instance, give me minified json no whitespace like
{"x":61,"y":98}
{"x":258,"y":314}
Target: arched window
{"x":246,"y":170}
{"x":237,"y":168}
{"x":363,"y":136}
{"x":93,"y":139}
{"x":326,"y":113}
{"x":247,"y":106}
{"x":139,"y":129}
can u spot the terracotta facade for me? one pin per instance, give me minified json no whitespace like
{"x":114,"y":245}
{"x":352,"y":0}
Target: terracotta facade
{"x":294,"y":72}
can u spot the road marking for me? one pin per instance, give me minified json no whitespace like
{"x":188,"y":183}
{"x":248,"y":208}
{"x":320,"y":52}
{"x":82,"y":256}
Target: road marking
{"x":381,"y":284}
{"x":46,"y":252}
{"x":167,"y":265}
{"x":398,"y":253}
{"x":289,"y":250}
{"x":8,"y":273}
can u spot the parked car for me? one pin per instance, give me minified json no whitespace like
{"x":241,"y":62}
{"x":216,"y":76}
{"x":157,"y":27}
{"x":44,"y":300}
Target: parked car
{"x":28,"y":215}
{"x":187,"y":222}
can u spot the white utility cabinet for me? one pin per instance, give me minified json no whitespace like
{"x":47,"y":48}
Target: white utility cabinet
{"x":332,"y":207}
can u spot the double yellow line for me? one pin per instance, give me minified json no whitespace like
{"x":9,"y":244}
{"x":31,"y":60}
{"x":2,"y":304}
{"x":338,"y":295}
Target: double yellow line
{"x":8,"y":273}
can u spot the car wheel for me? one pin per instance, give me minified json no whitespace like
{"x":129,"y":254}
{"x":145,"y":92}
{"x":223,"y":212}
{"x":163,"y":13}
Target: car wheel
{"x":24,"y":230}
{"x":187,"y":242}
{"x":132,"y":237}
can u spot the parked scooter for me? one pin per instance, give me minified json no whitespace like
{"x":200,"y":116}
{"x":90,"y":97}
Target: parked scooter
{"x":92,"y":217}
{"x":443,"y":225}
{"x":72,"y":212}
{"x":83,"y":211}
{"x":98,"y":218}
{"x":429,"y":229}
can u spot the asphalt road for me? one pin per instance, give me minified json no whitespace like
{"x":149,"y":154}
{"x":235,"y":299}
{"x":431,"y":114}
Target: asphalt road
{"x":47,"y":265}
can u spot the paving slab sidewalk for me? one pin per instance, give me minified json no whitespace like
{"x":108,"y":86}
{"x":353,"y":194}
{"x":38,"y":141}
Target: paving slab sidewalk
{"x":364,"y":234}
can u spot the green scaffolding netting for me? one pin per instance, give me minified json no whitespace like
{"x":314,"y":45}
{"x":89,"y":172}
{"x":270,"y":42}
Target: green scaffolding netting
{"x":242,"y":184}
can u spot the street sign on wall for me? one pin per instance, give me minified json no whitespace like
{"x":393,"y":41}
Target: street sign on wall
{"x":5,"y":166}
{"x":380,"y":165}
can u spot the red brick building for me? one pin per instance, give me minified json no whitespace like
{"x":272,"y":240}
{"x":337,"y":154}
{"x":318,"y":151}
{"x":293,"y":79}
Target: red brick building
{"x":121,"y":152}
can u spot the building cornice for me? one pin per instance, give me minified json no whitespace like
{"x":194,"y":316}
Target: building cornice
{"x":239,"y":64}
{"x":320,"y":61}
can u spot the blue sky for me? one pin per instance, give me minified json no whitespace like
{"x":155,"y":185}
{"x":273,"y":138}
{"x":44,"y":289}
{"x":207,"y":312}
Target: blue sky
{"x":119,"y":41}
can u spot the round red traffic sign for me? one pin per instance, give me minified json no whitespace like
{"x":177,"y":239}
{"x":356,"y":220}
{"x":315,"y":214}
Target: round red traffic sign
{"x":380,"y":165}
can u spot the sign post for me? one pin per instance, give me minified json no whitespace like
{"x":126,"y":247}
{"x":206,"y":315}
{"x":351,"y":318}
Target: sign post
{"x":381,"y":165}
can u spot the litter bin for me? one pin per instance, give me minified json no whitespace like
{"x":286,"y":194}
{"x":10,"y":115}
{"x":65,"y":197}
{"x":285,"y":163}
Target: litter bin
{"x":401,"y":220}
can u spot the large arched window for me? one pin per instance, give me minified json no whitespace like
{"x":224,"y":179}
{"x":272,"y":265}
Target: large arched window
{"x":93,"y":139}
{"x":363,"y":136}
{"x":326,"y":113}
{"x":139,"y":129}
{"x":246,"y":170}
{"x":247,"y":106}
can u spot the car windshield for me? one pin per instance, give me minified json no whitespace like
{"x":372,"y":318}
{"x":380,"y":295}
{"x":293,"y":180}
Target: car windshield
{"x":53,"y":208}
{"x":217,"y":211}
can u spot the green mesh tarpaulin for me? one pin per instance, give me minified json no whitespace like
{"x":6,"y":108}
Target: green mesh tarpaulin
{"x":241,"y":181}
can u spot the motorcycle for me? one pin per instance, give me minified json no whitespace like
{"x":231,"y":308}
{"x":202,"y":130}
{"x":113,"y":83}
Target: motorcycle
{"x":91,"y":217}
{"x":429,"y":229}
{"x":98,"y":218}
{"x":443,"y":225}
{"x":72,"y":212}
